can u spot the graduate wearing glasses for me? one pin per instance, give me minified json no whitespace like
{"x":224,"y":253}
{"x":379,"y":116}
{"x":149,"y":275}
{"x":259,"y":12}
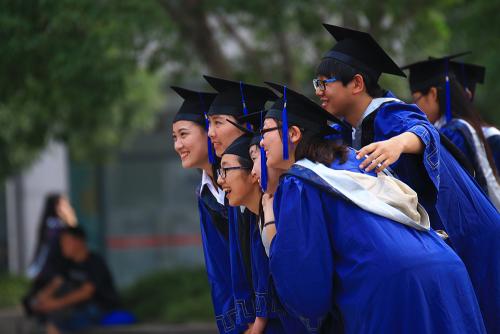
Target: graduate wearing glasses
{"x":399,"y":135}
{"x":353,"y":251}
{"x":237,"y":99}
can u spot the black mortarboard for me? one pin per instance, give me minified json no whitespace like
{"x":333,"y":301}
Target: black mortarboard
{"x":240,"y":147}
{"x":194,"y":109}
{"x":360,"y":50}
{"x":296,"y":109}
{"x":433,"y":72}
{"x":237,"y":98}
{"x":468,"y":75}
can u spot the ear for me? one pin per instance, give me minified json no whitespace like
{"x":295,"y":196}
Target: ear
{"x":358,"y":84}
{"x":294,"y":134}
{"x":433,"y":94}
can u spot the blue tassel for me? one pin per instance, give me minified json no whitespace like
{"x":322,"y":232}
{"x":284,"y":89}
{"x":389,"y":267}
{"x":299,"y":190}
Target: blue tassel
{"x":263,"y":169}
{"x":245,"y":110}
{"x":284,"y":121}
{"x":211,"y":156}
{"x":448,"y":95}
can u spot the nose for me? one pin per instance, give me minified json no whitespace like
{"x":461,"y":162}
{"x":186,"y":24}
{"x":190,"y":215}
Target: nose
{"x":178,"y":145}
{"x":220,"y":180}
{"x":211,"y":132}
{"x":318,"y":92}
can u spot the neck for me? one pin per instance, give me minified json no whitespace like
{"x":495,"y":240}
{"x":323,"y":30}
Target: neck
{"x":207,"y":168}
{"x":253,"y":203}
{"x":356,"y":113}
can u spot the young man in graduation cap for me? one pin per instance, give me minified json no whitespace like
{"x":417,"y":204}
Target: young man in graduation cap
{"x":437,"y":90}
{"x":393,"y":133}
{"x":235,"y":99}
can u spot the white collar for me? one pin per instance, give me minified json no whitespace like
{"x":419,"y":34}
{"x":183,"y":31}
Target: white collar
{"x":216,"y":192}
{"x":374,"y":105}
{"x":383,"y":195}
{"x":440,"y":122}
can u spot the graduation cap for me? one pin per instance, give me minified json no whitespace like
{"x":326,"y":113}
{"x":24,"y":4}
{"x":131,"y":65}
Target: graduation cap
{"x":468,"y":75}
{"x":360,"y":50}
{"x":433,"y":72}
{"x":296,"y":109}
{"x":194,"y":109}
{"x":237,"y":98}
{"x":240,"y":147}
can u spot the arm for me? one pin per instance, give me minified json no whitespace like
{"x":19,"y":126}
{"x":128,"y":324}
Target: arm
{"x":387,"y":152}
{"x":50,"y":289}
{"x":267,"y":205}
{"x":81,"y":294}
{"x":259,"y":325}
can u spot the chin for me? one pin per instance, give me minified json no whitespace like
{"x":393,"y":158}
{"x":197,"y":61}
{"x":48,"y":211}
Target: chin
{"x":187,"y":164}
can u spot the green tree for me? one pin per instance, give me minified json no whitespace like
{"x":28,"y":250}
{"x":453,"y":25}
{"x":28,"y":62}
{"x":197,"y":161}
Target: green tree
{"x":71,"y":71}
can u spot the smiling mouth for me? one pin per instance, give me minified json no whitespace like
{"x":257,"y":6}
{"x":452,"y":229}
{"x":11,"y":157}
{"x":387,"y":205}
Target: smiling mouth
{"x":184,"y":155}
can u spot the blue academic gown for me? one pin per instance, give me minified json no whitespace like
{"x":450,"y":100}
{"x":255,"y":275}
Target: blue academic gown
{"x":460,"y":135}
{"x":217,"y":261}
{"x":252,"y":283}
{"x":452,"y":198}
{"x":345,"y":270}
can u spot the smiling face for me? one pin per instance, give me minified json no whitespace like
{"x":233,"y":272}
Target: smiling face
{"x":222,"y":133}
{"x":190,"y":143}
{"x":336,"y":98}
{"x":272,"y":174}
{"x":273,"y":145}
{"x":239,"y":184}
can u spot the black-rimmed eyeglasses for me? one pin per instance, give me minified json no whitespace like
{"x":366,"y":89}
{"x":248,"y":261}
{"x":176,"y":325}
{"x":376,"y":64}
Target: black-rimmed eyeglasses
{"x":222,"y":171}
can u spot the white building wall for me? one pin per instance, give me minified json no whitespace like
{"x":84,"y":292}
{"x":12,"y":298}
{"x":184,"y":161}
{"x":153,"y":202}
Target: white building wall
{"x":25,"y":199}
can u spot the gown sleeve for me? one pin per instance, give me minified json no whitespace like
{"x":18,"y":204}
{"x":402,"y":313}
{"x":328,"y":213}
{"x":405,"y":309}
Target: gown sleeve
{"x":397,"y":118}
{"x":301,"y":258}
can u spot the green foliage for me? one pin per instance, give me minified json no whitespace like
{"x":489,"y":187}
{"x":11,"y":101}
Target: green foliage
{"x":70,"y":72}
{"x":171,"y":296}
{"x":88,"y":72}
{"x":12,"y":289}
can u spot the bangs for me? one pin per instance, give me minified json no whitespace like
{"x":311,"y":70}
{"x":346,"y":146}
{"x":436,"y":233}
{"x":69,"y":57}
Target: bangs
{"x":330,"y":67}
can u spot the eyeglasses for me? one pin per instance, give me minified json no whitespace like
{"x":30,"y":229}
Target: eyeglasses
{"x":418,"y":98}
{"x":321,"y":84}
{"x":222,"y":172}
{"x":262,"y":131}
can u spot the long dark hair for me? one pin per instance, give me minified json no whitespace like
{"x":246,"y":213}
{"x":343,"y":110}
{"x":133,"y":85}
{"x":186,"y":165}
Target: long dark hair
{"x":317,"y":148}
{"x":49,"y":211}
{"x":462,"y":107}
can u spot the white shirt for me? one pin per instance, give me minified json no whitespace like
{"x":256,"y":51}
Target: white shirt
{"x":374,"y":105}
{"x":216,"y":192}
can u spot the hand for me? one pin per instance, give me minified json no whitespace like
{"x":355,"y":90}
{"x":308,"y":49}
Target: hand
{"x":380,"y":154}
{"x":66,"y":213}
{"x":47,"y":305}
{"x":267,"y":206}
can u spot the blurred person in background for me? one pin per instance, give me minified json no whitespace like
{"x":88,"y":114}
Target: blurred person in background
{"x":81,"y":291}
{"x":57,"y":214}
